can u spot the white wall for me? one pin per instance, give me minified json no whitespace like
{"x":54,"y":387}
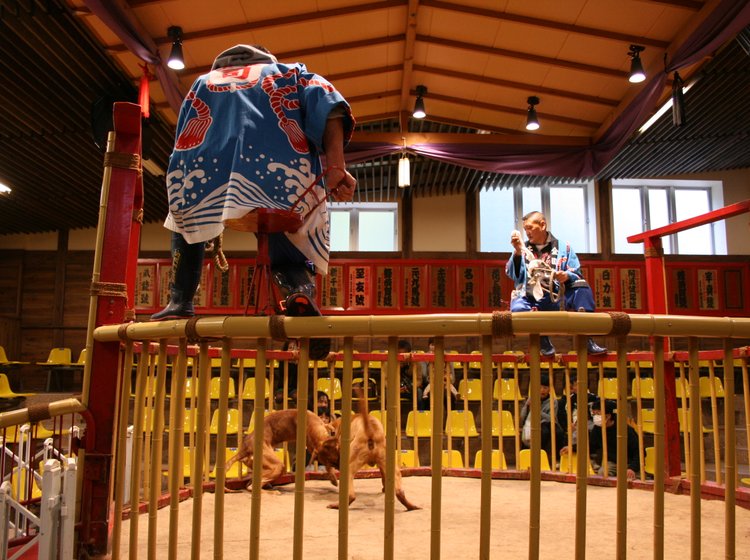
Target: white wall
{"x":439,"y":223}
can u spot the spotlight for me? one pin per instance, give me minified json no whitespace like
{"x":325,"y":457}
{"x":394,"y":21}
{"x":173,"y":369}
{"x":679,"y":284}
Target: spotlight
{"x":637,"y":75}
{"x":4,"y":189}
{"x":419,"y":112}
{"x":532,"y":123}
{"x":175,"y":60}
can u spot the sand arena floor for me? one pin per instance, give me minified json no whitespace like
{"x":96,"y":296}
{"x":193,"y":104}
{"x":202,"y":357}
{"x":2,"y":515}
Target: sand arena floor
{"x":460,"y":523}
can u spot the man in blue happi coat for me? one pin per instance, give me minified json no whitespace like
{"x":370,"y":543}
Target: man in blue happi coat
{"x":250,"y":134}
{"x":538,"y":270}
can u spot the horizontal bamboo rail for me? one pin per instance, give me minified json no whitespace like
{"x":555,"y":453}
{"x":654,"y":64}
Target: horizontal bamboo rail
{"x":461,"y":324}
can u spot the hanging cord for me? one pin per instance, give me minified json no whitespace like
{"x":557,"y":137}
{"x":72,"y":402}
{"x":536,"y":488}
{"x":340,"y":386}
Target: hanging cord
{"x":317,"y":180}
{"x":216,"y":247}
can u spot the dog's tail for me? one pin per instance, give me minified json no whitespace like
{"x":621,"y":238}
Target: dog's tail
{"x":365,"y":413}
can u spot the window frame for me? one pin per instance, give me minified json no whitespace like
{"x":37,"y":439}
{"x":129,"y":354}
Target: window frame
{"x":355,"y":209}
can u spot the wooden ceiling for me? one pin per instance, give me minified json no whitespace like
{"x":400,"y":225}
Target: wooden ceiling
{"x":479,"y":59}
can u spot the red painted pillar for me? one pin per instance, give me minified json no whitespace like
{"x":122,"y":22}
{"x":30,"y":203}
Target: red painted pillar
{"x":656,"y":288}
{"x":119,"y":256}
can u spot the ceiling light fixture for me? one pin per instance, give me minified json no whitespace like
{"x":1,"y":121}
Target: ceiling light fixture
{"x":419,"y":112}
{"x":404,"y":168}
{"x":175,"y":60}
{"x":4,"y":189}
{"x":637,"y":75}
{"x":532,"y":122}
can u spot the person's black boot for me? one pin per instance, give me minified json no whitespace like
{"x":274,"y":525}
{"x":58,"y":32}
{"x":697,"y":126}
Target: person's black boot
{"x":298,"y":286}
{"x":187,"y":260}
{"x":546,"y":346}
{"x":594,"y":348}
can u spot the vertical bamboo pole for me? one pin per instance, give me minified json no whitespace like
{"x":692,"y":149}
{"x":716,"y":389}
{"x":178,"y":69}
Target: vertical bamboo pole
{"x":436,"y":452}
{"x":715,"y":421}
{"x":486,"y":411}
{"x":659,"y":446}
{"x":122,"y":435}
{"x":582,"y":444}
{"x":135,"y":465}
{"x":622,"y":449}
{"x":176,"y":441}
{"x":259,"y":420}
{"x":221,"y":446}
{"x":696,"y":434}
{"x":393,"y":402}
{"x":299,"y":469}
{"x":156,"y":449}
{"x":536,"y":447}
{"x":345,"y":446}
{"x":200,"y":457}
{"x":730,"y":449}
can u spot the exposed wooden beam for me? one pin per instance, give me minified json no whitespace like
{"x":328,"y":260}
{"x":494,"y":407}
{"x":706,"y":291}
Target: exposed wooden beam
{"x":519,"y":85}
{"x":554,"y":62}
{"x":548,"y":24}
{"x":411,"y":35}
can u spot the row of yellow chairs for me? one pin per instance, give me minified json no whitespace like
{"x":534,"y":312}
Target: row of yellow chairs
{"x":459,"y":423}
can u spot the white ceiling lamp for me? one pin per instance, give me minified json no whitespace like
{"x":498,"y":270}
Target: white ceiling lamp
{"x":404,"y":169}
{"x":4,"y":189}
{"x":532,"y":122}
{"x":176,"y":60}
{"x":637,"y":75}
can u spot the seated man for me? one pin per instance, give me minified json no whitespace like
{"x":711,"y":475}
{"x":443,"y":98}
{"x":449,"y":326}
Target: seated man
{"x":549,"y":412}
{"x":596,"y":438}
{"x":539,"y":269}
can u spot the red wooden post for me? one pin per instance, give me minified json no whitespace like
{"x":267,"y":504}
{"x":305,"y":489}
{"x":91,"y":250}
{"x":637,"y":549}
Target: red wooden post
{"x":118,"y":266}
{"x":656,"y":287}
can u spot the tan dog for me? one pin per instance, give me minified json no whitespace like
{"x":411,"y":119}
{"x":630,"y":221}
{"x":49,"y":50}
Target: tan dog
{"x":278,"y":427}
{"x":367,"y":448}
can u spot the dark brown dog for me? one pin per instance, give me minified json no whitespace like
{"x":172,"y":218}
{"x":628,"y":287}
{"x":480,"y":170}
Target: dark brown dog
{"x":278,"y":427}
{"x":367,"y":448}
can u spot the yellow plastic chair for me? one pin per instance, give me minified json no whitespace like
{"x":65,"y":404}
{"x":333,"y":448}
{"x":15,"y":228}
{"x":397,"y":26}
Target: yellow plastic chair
{"x":232,"y":422}
{"x":649,"y":462}
{"x":215,"y":386}
{"x":705,"y":387}
{"x":646,"y":387}
{"x":248,"y":389}
{"x":4,"y":361}
{"x":191,"y":387}
{"x":237,"y":470}
{"x":43,"y":432}
{"x":381,"y":415}
{"x":648,"y":420}
{"x":506,"y":390}
{"x":189,"y":421}
{"x":18,"y":486}
{"x":58,"y":357}
{"x":524,"y":460}
{"x":409,"y":458}
{"x":471,"y":389}
{"x":608,"y":388}
{"x":461,"y":423}
{"x":572,"y":460}
{"x":372,"y":387}
{"x":508,"y":424}
{"x":81,"y":359}
{"x":452,"y":459}
{"x":421,"y":420}
{"x":245,"y":363}
{"x":497,"y":459}
{"x":7,"y":392}
{"x":324,"y":385}
{"x":684,"y":419}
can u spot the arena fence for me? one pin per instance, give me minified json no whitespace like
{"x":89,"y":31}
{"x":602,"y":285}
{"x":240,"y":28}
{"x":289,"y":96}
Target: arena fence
{"x":166,"y":365}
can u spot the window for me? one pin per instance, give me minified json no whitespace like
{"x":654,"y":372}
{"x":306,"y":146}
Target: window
{"x":642,"y":205}
{"x":364,"y":226}
{"x":569,"y":215}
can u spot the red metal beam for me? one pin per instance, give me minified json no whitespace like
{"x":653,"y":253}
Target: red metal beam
{"x":707,"y":218}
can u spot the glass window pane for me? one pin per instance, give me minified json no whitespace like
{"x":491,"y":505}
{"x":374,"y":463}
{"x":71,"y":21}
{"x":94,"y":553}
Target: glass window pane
{"x":340,"y":231}
{"x":688,"y":204}
{"x":658,"y":213}
{"x":627,"y":219}
{"x":532,"y":200}
{"x":496,"y":219}
{"x":567,"y":217}
{"x":377,"y":231}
